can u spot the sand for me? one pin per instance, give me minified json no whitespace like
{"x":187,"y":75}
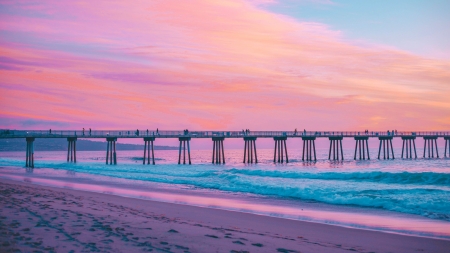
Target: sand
{"x":37,"y":218}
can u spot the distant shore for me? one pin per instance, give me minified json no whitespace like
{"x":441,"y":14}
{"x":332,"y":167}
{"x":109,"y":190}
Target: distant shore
{"x":36,"y":217}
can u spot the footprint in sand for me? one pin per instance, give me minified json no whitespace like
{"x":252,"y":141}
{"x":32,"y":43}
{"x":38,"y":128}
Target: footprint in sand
{"x":181,"y":247}
{"x":285,"y":250}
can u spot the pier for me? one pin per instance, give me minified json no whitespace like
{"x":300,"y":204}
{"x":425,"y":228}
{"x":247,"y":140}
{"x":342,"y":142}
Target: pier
{"x":385,"y":150}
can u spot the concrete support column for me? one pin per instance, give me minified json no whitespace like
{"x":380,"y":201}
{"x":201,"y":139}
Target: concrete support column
{"x":218,"y":156}
{"x":447,"y":146}
{"x":336,"y":148}
{"x":250,"y":150}
{"x":408,"y":143}
{"x":29,"y":160}
{"x":72,"y":149}
{"x":309,"y":146}
{"x":111,"y":157}
{"x":280,"y":149}
{"x":431,"y":142}
{"x":148,"y":144}
{"x":362,"y":147}
{"x":386,"y":142}
{"x":184,"y":141}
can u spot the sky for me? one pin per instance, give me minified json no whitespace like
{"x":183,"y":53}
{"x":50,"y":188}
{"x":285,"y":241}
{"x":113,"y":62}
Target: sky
{"x":225,"y":64}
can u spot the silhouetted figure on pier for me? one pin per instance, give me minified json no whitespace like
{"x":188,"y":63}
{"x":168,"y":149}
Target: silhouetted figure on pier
{"x":137,"y":132}
{"x":157,"y":131}
{"x":295,"y":132}
{"x":147,"y":131}
{"x":50,"y":131}
{"x":90,"y":131}
{"x":83,"y":131}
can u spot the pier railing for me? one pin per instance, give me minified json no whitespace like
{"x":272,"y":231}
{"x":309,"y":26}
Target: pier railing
{"x":139,"y":133}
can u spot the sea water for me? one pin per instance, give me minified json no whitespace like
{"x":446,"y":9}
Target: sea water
{"x":409,"y":196}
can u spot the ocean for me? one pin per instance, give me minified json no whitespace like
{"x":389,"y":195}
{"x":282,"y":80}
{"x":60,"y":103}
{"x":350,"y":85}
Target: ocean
{"x":407,"y":196}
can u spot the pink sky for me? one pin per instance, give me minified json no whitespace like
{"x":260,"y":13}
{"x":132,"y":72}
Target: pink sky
{"x":203,"y":64}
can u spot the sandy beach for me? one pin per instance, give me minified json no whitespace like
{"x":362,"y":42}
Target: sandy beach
{"x":37,"y":218}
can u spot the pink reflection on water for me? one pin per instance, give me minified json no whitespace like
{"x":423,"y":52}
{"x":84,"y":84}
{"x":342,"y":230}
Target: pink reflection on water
{"x":389,"y":223}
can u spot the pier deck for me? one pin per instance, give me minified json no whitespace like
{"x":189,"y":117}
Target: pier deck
{"x":207,"y":134}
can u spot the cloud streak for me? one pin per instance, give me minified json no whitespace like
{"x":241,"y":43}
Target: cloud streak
{"x":206,"y":64}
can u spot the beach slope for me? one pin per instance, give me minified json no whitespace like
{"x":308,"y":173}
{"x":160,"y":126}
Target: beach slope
{"x":42,"y":218}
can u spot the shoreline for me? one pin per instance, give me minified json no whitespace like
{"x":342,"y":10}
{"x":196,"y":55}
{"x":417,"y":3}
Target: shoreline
{"x":347,"y":217}
{"x":198,"y":229}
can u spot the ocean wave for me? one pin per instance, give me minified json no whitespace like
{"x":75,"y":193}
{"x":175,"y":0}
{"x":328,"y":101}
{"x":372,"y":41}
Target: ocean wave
{"x":429,"y":178}
{"x":140,"y":158}
{"x":422,"y":193}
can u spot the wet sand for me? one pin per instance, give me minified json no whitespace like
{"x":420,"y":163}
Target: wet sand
{"x":42,"y":218}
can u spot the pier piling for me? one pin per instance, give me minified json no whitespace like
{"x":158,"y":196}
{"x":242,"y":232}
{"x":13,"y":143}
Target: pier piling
{"x":111,"y":157}
{"x":250,"y":150}
{"x":336,"y":148}
{"x":29,"y":160}
{"x":218,"y":156}
{"x":72,"y":149}
{"x":184,"y":141}
{"x":281,"y":148}
{"x":309,"y":146}
{"x":362,"y":145}
{"x":447,"y":146}
{"x":408,"y":143}
{"x":386,"y":142}
{"x":148,"y":144}
{"x":431,"y":143}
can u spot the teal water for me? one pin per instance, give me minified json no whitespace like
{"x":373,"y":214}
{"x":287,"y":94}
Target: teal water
{"x":415,"y":188}
{"x":419,"y":186}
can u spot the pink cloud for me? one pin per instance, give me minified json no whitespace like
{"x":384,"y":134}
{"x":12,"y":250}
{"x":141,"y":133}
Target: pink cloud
{"x":207,"y":64}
